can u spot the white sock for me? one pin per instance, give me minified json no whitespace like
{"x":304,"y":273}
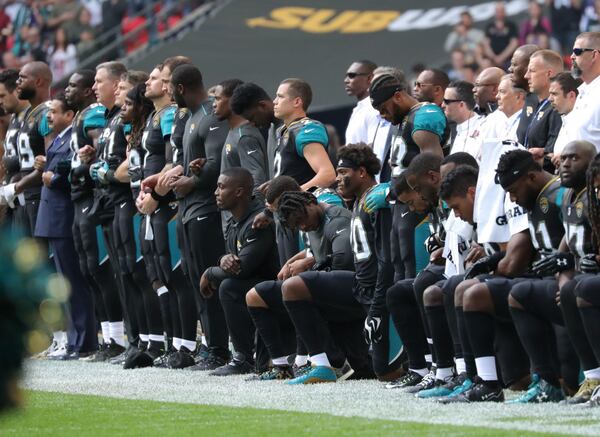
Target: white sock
{"x":105,"y":327}
{"x":189,"y":345}
{"x":422,"y":372}
{"x":443,"y":373}
{"x":117,"y":332}
{"x":162,"y":290}
{"x":177,"y":343}
{"x":320,"y":360}
{"x":461,"y":366}
{"x":281,"y":361}
{"x":157,"y":338}
{"x":144,"y":338}
{"x":60,"y":337}
{"x":486,"y":368}
{"x":592,"y":373}
{"x":429,"y":358}
{"x":204,"y":342}
{"x":301,"y":360}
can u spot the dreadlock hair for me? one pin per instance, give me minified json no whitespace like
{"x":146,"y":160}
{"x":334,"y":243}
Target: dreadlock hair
{"x":592,"y":173}
{"x":278,"y":186}
{"x":143,"y":107}
{"x":362,"y":156}
{"x":458,"y":182}
{"x":294,"y":202}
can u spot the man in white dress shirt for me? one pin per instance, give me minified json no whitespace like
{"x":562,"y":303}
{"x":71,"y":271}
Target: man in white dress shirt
{"x":584,"y":122}
{"x":365,"y":124}
{"x":563,"y":94}
{"x":458,"y":105}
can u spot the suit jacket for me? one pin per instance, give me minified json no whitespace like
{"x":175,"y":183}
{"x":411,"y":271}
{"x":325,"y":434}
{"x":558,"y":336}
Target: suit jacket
{"x":55,"y":214}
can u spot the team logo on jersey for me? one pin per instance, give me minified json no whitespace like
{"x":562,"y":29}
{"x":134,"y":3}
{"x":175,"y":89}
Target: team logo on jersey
{"x":529,"y":111}
{"x":544,"y":204}
{"x":182,"y":113}
{"x":579,"y":209}
{"x":239,"y":245}
{"x":540,"y":115}
{"x":192,"y":127}
{"x":228,"y":148}
{"x":155,"y":121}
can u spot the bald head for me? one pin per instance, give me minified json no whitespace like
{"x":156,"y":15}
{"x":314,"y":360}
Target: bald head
{"x":519,"y":63}
{"x":39,"y":70}
{"x":584,"y":149}
{"x":486,"y":86}
{"x":34,"y":83}
{"x":575,"y":159}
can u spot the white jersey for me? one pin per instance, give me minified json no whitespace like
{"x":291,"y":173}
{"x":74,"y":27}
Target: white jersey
{"x":458,"y":237}
{"x":499,"y":137}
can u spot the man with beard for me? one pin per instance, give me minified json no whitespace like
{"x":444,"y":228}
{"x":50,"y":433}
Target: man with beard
{"x":584,"y":120}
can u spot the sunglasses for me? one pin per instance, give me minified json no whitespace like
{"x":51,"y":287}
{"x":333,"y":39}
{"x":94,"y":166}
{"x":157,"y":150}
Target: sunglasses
{"x":579,"y":51}
{"x":352,"y":75}
{"x":448,"y":101}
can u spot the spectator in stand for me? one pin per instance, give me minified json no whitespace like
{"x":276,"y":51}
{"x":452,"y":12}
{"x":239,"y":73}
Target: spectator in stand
{"x":95,"y":9}
{"x":458,"y":62}
{"x":63,"y":14}
{"x":34,"y":50}
{"x":590,"y":21}
{"x":5,"y":29}
{"x":62,"y":55}
{"x":536,"y":29}
{"x":86,"y":45}
{"x":82,"y":24}
{"x":501,"y":38}
{"x":27,"y":15}
{"x":565,"y":16}
{"x":464,"y":36}
{"x":113,"y":12}
{"x":9,"y":60}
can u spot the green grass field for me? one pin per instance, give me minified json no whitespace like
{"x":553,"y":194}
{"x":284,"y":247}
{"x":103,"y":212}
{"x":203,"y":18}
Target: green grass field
{"x":67,"y":414}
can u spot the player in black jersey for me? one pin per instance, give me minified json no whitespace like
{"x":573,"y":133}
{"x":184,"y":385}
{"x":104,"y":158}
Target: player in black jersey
{"x":485,"y":304}
{"x":533,"y":303}
{"x":33,"y":85}
{"x":11,"y":104}
{"x":347,"y":296}
{"x":244,"y":146}
{"x":203,"y":237}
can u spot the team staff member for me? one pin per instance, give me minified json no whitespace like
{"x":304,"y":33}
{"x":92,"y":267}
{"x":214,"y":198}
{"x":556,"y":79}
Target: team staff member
{"x":54,"y":223}
{"x":203,"y":242}
{"x":251,"y":258}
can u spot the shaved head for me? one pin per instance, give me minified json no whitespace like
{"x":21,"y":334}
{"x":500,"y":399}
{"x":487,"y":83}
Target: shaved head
{"x":583,"y":148}
{"x":39,"y":70}
{"x":491,"y":75}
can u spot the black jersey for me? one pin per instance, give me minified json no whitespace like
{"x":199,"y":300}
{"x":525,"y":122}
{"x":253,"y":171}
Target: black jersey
{"x":157,"y":134}
{"x":30,"y":141}
{"x":330,"y":244}
{"x":545,"y":220}
{"x":113,"y":143}
{"x":369,"y":237}
{"x":424,"y":116}
{"x":272,"y":145}
{"x":10,"y":159}
{"x":245,"y":147}
{"x":85,"y":120}
{"x":289,"y":152}
{"x":203,"y":138}
{"x":578,"y":231}
{"x":181,"y":117}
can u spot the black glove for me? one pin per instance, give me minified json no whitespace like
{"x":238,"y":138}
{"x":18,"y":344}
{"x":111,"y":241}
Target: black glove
{"x":113,"y":162}
{"x":432,"y":244}
{"x":323,"y":266}
{"x":63,"y":167}
{"x":373,"y":328}
{"x":135,"y":173}
{"x":555,"y":263}
{"x":484,"y":265}
{"x":588,"y":264}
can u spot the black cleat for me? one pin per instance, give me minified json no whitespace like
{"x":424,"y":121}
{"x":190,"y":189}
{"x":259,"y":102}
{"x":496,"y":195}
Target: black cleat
{"x":234,"y":367}
{"x":211,"y":362}
{"x":275,"y":373}
{"x":163,"y":360}
{"x":182,"y":359}
{"x":409,"y":380}
{"x":479,"y":392}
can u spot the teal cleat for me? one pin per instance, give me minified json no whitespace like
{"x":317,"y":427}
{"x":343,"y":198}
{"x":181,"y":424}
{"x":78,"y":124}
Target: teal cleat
{"x":316,"y":375}
{"x":539,"y":392}
{"x":466,"y":385}
{"x":444,"y":389}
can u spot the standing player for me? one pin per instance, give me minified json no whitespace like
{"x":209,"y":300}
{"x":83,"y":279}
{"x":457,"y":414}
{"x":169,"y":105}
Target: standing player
{"x":203,"y":242}
{"x":312,"y":298}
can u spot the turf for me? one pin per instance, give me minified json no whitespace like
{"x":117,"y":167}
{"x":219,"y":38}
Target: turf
{"x":84,"y":415}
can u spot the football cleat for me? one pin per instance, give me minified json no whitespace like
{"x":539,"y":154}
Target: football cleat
{"x":584,"y":394}
{"x":443,"y":388}
{"x":408,"y":380}
{"x":182,"y":359}
{"x":316,"y":375}
{"x":426,"y":383}
{"x":478,"y":392}
{"x":301,"y":370}
{"x":211,"y":362}
{"x":594,"y":400}
{"x":274,"y":373}
{"x":344,"y":372}
{"x":234,"y":367}
{"x":163,"y":360}
{"x":539,"y":391}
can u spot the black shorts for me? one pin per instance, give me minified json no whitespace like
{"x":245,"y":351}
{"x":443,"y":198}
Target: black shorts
{"x":499,"y":288}
{"x":538,"y":296}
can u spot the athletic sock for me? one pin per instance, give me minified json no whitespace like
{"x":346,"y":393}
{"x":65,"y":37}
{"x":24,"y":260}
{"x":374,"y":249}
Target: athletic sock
{"x":301,"y":360}
{"x":189,"y":345}
{"x":465,"y":343}
{"x":117,"y":332}
{"x":443,"y":373}
{"x":267,"y":327}
{"x":422,"y":372}
{"x":105,"y":327}
{"x":574,"y":323}
{"x":308,"y":323}
{"x":177,"y":343}
{"x":592,"y":373}
{"x":144,"y":338}
{"x":486,"y":368}
{"x":442,"y":341}
{"x":461,"y":367}
{"x":480,"y":328}
{"x":320,"y":360}
{"x":164,"y":301}
{"x":590,"y":316}
{"x":280,"y":361}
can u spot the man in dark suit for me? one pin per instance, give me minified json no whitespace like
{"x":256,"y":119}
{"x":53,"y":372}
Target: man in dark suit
{"x":54,"y":223}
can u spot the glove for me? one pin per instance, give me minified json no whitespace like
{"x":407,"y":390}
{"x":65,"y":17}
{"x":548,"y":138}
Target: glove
{"x":588,"y":264}
{"x":432,"y":244}
{"x":113,"y":162}
{"x":373,"y":329}
{"x":8,"y":193}
{"x":98,"y":171}
{"x":377,"y":198}
{"x":135,"y":174}
{"x":555,"y":263}
{"x":63,"y":167}
{"x":484,"y":265}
